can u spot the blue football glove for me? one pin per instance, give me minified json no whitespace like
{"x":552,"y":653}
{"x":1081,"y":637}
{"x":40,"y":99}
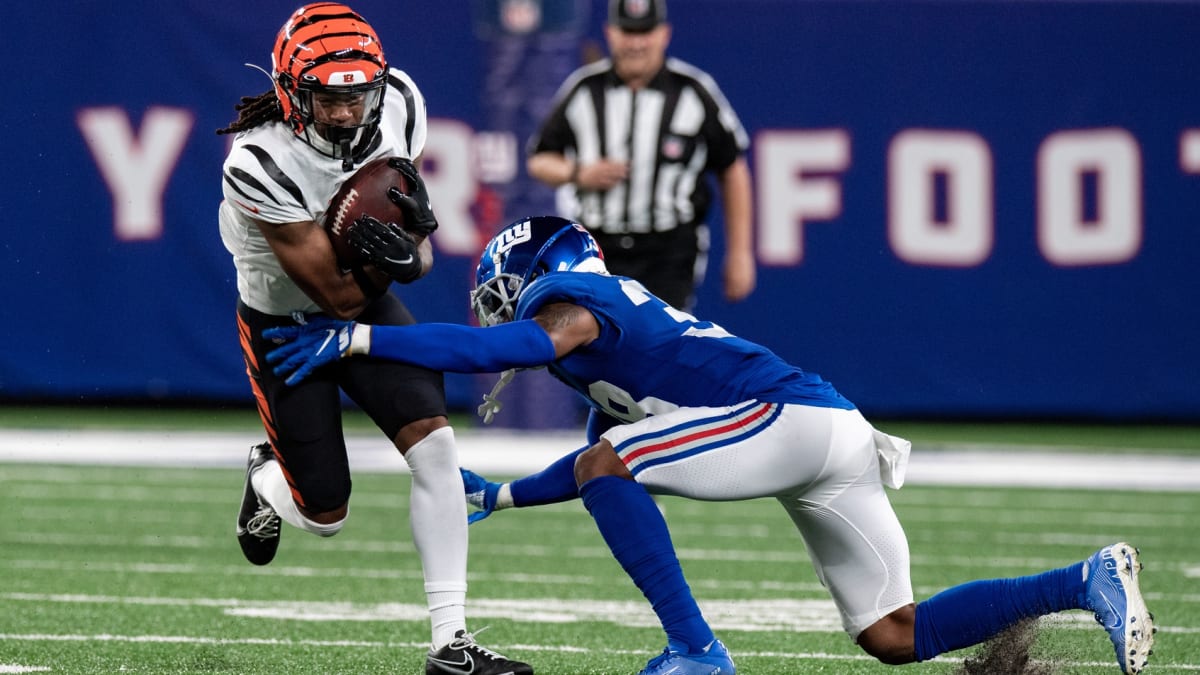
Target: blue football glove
{"x":481,"y":493}
{"x":308,"y":346}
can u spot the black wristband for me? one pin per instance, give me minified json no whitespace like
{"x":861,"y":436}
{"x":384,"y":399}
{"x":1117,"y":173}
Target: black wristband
{"x":365,"y":283}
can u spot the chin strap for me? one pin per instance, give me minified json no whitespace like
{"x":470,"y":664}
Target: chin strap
{"x":491,"y":402}
{"x":347,"y":157}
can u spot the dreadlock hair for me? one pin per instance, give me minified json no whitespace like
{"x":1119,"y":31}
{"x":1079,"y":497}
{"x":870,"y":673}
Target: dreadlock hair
{"x":254,"y":111}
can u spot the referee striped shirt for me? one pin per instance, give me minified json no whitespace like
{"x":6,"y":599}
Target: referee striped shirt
{"x":670,"y":132}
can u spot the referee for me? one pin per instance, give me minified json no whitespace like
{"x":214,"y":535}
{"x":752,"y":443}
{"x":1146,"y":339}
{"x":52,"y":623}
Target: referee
{"x":631,"y":138}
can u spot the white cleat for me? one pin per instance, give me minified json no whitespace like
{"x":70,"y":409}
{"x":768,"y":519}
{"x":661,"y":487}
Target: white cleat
{"x":1111,"y":575}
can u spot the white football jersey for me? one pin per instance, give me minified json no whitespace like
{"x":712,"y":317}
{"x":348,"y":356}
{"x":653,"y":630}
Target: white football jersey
{"x":273,"y":176}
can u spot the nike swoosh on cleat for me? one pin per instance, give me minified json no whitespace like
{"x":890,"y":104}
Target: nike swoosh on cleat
{"x":467,"y":665}
{"x":1120,"y":620}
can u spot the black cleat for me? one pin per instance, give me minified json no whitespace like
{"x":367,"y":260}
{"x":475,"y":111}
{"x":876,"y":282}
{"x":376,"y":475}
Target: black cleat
{"x":257,"y":522}
{"x":463,"y":656}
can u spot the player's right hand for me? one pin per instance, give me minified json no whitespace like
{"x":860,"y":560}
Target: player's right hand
{"x":308,"y":346}
{"x":481,"y":493}
{"x":389,"y":248}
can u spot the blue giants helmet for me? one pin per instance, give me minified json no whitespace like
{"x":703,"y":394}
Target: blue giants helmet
{"x":524,"y":251}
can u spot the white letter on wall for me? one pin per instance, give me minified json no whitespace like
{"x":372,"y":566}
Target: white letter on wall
{"x":1189,"y":150}
{"x":963,"y":237}
{"x":136,"y":169}
{"x":452,"y":184}
{"x":1065,"y":235}
{"x":789,"y":195}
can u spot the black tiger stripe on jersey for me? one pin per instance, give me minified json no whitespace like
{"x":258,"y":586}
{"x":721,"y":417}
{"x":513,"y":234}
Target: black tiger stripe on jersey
{"x":410,"y":109}
{"x":276,"y":174}
{"x":376,"y":141}
{"x":235,"y":175}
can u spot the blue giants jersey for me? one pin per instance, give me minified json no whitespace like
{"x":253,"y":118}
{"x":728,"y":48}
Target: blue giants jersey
{"x":651,"y":358}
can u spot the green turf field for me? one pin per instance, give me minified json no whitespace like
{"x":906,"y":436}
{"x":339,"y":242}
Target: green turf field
{"x":132,"y":570}
{"x":1167,"y":439}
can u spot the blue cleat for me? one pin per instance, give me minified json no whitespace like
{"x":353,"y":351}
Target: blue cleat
{"x":1111,"y":579}
{"x":481,"y":493}
{"x":714,"y":660}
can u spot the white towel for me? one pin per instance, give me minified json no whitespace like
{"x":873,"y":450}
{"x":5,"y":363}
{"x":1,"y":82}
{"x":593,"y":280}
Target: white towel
{"x":893,"y":458}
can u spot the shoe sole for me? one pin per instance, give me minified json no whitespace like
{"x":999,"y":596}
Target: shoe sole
{"x":1139,"y":622}
{"x":253,"y":548}
{"x":715,"y":670}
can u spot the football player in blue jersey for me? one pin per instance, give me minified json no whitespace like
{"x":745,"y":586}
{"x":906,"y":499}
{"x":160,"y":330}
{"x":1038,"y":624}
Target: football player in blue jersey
{"x":682,"y":407}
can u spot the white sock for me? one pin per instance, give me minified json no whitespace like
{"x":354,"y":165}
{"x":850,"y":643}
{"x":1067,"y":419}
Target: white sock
{"x":438,"y":516}
{"x":447,"y":611}
{"x":272,"y":487}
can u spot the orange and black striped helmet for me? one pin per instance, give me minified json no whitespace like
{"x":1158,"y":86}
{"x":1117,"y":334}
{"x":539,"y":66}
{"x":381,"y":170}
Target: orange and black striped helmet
{"x":326,"y":47}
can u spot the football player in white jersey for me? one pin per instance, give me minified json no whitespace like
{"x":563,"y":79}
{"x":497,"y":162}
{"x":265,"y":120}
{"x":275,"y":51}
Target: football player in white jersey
{"x":682,"y":407}
{"x":334,"y":106}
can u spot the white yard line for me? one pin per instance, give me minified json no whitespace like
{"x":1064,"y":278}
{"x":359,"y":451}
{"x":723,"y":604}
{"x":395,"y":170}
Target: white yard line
{"x":756,"y":615}
{"x":507,"y":452}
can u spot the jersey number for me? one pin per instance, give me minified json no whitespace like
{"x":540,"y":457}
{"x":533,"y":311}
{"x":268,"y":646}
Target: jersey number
{"x":618,"y":403}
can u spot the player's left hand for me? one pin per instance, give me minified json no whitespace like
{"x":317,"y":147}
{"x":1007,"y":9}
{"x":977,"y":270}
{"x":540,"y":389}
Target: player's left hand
{"x":418,"y":211}
{"x":308,"y":346}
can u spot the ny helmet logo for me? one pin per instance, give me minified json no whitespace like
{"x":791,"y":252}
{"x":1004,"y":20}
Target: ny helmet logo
{"x":517,"y":234}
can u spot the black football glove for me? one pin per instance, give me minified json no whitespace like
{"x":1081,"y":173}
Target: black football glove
{"x":388,"y":247}
{"x":418,"y":212}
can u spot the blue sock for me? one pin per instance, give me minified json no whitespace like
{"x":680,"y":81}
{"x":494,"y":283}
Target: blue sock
{"x":635,"y":531}
{"x":553,"y":484}
{"x":971,"y":613}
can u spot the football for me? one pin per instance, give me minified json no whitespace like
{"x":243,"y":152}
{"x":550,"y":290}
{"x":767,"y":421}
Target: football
{"x":364,"y":192}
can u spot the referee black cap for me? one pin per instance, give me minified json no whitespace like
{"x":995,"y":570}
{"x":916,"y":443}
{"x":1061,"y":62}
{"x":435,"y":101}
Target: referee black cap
{"x":637,"y":16}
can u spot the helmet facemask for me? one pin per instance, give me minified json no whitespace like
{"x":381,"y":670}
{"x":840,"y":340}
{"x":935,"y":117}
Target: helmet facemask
{"x":495,"y":301}
{"x":344,"y":142}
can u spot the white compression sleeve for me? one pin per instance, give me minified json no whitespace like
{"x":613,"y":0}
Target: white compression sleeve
{"x":438,"y":516}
